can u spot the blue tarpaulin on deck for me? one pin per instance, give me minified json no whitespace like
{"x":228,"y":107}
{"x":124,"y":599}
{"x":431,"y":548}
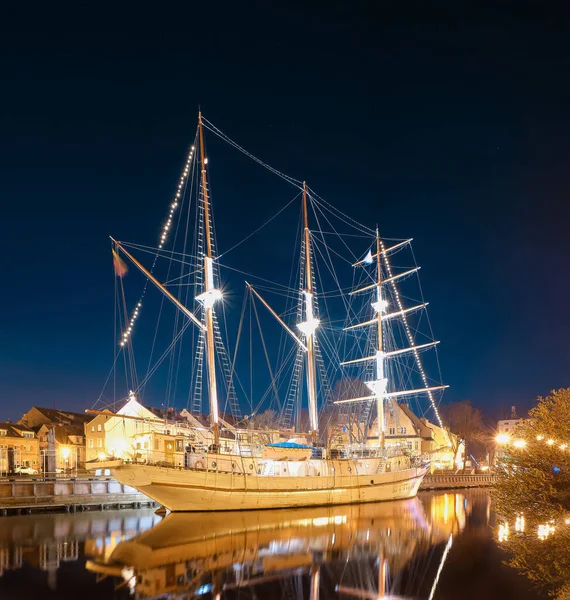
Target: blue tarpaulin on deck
{"x":288,"y":445}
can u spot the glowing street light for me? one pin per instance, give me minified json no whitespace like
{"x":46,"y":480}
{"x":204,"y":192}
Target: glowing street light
{"x":519,"y":444}
{"x":503,"y":438}
{"x":65,"y":452}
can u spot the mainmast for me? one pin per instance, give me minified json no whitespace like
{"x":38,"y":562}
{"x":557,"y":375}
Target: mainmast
{"x":309,"y":326}
{"x":209,"y":296}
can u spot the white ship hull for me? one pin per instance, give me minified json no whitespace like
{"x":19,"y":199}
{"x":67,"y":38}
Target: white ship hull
{"x":198,"y":490}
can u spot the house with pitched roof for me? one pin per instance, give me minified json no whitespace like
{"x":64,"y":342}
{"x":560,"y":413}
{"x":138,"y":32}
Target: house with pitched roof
{"x":418,"y":435}
{"x":69,"y":433}
{"x":19,"y":446}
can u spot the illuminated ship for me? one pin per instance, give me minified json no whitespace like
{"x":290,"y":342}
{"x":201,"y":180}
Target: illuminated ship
{"x":368,"y":551}
{"x":375,"y":349}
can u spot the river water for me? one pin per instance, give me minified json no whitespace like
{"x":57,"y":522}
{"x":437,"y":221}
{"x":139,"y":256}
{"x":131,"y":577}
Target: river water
{"x":438,"y":546}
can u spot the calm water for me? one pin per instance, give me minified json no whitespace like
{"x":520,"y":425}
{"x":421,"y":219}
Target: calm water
{"x":439,"y":544}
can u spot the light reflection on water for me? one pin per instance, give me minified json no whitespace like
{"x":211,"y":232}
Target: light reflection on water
{"x":422,"y":548}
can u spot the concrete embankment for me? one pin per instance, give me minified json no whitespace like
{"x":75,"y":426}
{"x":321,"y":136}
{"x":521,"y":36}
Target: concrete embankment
{"x":446,"y":482}
{"x":70,"y":495}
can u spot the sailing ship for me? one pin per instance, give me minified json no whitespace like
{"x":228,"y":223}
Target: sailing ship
{"x":301,"y":470}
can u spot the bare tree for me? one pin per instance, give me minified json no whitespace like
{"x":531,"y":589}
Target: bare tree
{"x":265,"y":420}
{"x":465,"y":422}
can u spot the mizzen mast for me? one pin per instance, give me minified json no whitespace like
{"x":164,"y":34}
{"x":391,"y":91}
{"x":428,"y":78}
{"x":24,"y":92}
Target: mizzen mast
{"x":209,"y":296}
{"x":309,"y":326}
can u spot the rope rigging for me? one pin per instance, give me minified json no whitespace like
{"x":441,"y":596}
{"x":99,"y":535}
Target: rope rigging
{"x":327,"y":248}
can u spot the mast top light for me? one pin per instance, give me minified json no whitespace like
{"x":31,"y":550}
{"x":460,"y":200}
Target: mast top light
{"x":209,"y":297}
{"x":308,"y":327}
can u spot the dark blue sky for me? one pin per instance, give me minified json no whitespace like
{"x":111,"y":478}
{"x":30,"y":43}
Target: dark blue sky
{"x":450,"y":126}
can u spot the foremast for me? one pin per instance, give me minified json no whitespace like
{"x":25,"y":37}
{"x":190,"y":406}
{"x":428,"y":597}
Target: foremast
{"x":379,"y":386}
{"x":310,"y":324}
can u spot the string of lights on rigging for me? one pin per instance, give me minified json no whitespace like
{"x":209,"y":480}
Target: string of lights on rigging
{"x":410,"y":336}
{"x":165,"y":231}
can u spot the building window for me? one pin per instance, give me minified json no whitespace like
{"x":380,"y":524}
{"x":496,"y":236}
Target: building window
{"x":92,"y":428}
{"x":392,"y":430}
{"x":91,"y":443}
{"x":417,"y":445}
{"x":403,"y":431}
{"x":99,"y":443}
{"x":179,"y":445}
{"x":156,"y":444}
{"x":99,"y":427}
{"x":27,"y":434}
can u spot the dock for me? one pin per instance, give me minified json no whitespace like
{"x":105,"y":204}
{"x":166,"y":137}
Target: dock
{"x":457,"y":481}
{"x":26,"y":496}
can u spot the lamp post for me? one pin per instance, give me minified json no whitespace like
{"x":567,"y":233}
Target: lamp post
{"x":65,"y":452}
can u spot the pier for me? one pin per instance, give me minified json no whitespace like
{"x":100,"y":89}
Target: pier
{"x":457,"y":481}
{"x":21,"y":496}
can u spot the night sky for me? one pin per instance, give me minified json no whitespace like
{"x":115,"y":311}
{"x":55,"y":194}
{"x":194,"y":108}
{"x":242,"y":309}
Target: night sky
{"x":451,"y":126}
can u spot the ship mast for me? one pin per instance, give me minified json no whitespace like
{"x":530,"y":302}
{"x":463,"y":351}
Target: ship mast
{"x":209,"y":296}
{"x":380,"y":303}
{"x":309,"y":326}
{"x":379,"y":386}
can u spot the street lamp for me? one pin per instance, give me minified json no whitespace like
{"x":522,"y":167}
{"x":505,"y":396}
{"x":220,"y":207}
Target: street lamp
{"x":503,"y":438}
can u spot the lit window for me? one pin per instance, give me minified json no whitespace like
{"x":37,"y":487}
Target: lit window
{"x":99,"y":427}
{"x":99,"y":443}
{"x":93,"y":428}
{"x":90,"y":443}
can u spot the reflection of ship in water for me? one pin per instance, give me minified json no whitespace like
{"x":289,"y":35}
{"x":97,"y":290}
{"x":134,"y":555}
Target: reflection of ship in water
{"x":290,"y":553}
{"x":46,"y":541}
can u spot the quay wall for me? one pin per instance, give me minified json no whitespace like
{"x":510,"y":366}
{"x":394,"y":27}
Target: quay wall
{"x":452,"y":481}
{"x":38,"y":495}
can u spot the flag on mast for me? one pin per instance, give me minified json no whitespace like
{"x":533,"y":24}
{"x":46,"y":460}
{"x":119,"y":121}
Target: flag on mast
{"x":119,"y":265}
{"x":368,"y":258}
